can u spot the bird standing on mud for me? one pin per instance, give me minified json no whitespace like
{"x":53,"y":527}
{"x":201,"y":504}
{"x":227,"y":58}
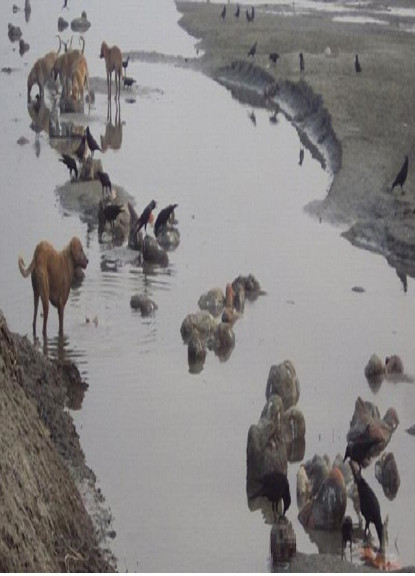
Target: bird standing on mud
{"x":125,"y":64}
{"x":252,"y":50}
{"x":401,"y":176}
{"x":275,"y":487}
{"x":237,"y":11}
{"x":70,"y":163}
{"x":111,"y":213}
{"x":105,"y":181}
{"x":223,"y":13}
{"x":302,"y":63}
{"x":357,"y":66}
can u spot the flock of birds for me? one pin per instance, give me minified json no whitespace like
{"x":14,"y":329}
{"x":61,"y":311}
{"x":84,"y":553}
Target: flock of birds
{"x":274,"y":56}
{"x":275,"y":487}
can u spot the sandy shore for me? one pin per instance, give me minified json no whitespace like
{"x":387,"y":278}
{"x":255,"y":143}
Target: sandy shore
{"x":371,"y":114}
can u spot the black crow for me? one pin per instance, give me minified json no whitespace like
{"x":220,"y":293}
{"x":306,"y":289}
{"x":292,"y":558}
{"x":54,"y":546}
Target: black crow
{"x":369,"y":504}
{"x":105,"y":181}
{"x":347,"y":535}
{"x":274,"y":57}
{"x":145,"y":216}
{"x":80,"y":151}
{"x":163,"y":217}
{"x":70,"y":163}
{"x":223,"y":13}
{"x":237,"y":11}
{"x":92,"y":143}
{"x":252,"y":50}
{"x":111,"y":212}
{"x":357,"y":66}
{"x":275,"y":487}
{"x":302,"y":63}
{"x":402,"y":175}
{"x":128,"y":82}
{"x":125,"y":64}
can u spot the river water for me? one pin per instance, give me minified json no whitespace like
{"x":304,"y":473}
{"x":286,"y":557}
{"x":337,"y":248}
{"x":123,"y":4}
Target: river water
{"x":169,"y":447}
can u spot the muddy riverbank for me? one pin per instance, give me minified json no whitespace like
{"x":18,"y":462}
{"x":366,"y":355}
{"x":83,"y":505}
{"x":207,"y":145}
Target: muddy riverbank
{"x":44,"y":524}
{"x":363,"y":123}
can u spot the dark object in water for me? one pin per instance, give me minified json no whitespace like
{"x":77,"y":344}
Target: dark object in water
{"x":347,"y":535}
{"x":70,"y":163}
{"x":402,"y":175}
{"x":163,"y":218}
{"x":302,"y":63}
{"x":275,"y":487}
{"x":357,"y":66}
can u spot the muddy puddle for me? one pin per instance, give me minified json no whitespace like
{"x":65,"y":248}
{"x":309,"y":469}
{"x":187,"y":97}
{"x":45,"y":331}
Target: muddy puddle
{"x":169,"y":447}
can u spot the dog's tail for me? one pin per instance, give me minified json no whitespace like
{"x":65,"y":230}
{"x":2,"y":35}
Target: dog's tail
{"x":25,"y":272}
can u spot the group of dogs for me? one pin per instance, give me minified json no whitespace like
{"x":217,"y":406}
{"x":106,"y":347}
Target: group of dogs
{"x":51,"y":271}
{"x":71,"y":68}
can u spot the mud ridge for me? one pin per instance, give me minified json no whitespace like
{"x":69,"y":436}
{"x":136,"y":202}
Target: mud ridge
{"x":44,"y":522}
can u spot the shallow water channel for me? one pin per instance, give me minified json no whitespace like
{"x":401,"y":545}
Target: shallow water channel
{"x":169,"y":447}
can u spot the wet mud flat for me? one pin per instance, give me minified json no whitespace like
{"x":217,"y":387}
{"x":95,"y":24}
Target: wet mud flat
{"x":44,"y":522}
{"x":362,"y":124}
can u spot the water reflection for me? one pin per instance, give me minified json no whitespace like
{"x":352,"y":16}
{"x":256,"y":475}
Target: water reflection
{"x":113,"y":131}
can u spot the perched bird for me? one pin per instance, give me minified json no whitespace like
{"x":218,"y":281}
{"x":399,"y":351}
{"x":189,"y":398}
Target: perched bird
{"x":105,"y":181}
{"x":92,"y":143}
{"x":237,"y":11}
{"x":347,"y":535}
{"x":125,"y":64}
{"x":402,"y":175}
{"x":252,"y":50}
{"x":275,"y":487}
{"x":223,"y":13}
{"x":359,"y":450}
{"x":145,"y":216}
{"x":369,"y":504}
{"x":274,"y":57}
{"x":302,"y":63}
{"x":70,"y":163}
{"x":357,"y":66}
{"x":80,"y":151}
{"x":128,"y":82}
{"x":163,"y":217}
{"x":111,"y":212}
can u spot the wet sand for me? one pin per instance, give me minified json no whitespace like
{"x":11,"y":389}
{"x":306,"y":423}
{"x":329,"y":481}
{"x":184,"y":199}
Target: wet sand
{"x":371,"y":113}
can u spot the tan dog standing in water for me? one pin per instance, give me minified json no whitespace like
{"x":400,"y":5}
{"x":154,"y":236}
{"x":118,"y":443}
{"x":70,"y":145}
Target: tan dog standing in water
{"x":52,"y":273}
{"x":113,"y":63}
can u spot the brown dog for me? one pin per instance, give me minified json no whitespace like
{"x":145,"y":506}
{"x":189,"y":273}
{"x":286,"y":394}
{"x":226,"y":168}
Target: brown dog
{"x":41,"y":71}
{"x":52,"y":274}
{"x":113,"y":63}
